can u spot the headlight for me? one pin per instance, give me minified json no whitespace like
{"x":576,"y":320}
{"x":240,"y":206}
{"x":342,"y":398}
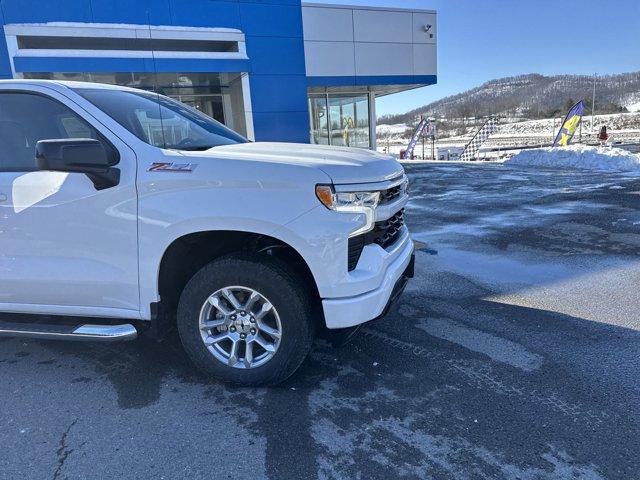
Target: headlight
{"x":405,"y":187}
{"x":350,"y":202}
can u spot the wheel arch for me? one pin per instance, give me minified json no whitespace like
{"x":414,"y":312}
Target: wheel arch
{"x":190,"y":252}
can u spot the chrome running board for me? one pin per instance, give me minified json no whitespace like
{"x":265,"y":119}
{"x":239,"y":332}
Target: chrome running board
{"x":85,"y":332}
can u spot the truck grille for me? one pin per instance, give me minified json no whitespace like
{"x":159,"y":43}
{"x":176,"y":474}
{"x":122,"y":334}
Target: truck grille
{"x":384,"y":233}
{"x":390,"y":194}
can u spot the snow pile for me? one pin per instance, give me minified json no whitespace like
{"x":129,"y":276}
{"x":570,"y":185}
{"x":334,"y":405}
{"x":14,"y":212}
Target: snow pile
{"x":580,"y":157}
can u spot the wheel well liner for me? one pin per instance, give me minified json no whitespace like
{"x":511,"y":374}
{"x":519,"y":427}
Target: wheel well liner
{"x":188,"y":254}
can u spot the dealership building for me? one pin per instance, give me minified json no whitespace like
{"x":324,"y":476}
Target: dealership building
{"x":273,"y":70}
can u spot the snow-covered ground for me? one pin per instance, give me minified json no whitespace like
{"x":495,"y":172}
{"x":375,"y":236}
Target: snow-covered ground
{"x":579,"y":157}
{"x":623,"y":127}
{"x":634,"y":107}
{"x":622,"y":123}
{"x":392,"y":130}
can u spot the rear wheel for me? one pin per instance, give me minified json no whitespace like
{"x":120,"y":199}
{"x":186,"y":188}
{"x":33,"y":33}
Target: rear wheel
{"x":246,"y":320}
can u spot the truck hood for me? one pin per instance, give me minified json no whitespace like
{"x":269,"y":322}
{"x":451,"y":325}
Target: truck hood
{"x":342,"y":164}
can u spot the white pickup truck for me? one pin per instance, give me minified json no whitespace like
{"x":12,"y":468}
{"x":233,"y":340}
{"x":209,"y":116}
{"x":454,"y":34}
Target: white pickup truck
{"x":121,"y":209}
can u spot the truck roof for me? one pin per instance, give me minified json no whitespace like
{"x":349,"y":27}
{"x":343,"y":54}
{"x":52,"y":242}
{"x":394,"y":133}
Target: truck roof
{"x":62,"y":84}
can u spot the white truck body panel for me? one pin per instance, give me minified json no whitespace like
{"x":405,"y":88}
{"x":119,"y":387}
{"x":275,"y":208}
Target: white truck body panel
{"x":64,"y":245}
{"x":69,"y":249}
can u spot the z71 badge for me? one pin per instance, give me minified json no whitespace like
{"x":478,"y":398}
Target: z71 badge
{"x":172,"y":167}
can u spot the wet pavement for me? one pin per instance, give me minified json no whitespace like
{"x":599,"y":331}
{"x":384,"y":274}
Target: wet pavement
{"x":514,"y":353}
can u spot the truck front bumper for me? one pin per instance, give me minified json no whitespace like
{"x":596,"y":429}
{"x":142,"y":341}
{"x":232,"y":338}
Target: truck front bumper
{"x":351,"y":311}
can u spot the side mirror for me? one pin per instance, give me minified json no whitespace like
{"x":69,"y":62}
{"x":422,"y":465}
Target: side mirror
{"x":78,"y":155}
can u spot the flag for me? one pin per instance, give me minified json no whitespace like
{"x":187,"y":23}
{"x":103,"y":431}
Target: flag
{"x":414,"y":139}
{"x":472,"y":148}
{"x":570,"y":124}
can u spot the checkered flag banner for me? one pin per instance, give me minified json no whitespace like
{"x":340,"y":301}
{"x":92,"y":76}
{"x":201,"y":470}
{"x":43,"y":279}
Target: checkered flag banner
{"x":473,"y":147}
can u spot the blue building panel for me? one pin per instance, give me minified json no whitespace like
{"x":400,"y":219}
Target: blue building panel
{"x":205,"y":13}
{"x":278,"y":93}
{"x":277,"y":56}
{"x":142,"y":12}
{"x":282,"y":126}
{"x":5,"y":66}
{"x":273,"y":33}
{"x":272,"y":2}
{"x":278,"y":75}
{"x":270,"y":20}
{"x":40,"y":11}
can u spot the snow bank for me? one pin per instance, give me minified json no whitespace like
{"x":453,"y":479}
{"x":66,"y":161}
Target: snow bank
{"x":395,"y":129}
{"x":580,"y":157}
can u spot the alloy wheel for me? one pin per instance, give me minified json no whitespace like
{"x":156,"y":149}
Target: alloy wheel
{"x":240,"y":327}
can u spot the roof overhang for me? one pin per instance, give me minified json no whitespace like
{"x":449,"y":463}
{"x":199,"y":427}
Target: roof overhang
{"x":380,"y":85}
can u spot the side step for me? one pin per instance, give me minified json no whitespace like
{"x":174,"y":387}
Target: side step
{"x":85,"y":332}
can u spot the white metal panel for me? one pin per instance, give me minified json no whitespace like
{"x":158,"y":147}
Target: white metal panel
{"x":421,"y":22}
{"x":329,"y":59}
{"x":384,"y":59}
{"x":382,"y":26}
{"x":109,"y":30}
{"x":65,"y":243}
{"x":380,"y":40}
{"x":331,"y":24}
{"x":425,"y":59}
{"x":125,"y":31}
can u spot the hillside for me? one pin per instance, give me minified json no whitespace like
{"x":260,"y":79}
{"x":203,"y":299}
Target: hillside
{"x":532,"y":96}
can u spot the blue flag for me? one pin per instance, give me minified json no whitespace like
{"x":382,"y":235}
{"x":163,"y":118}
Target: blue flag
{"x":414,"y":139}
{"x":569,"y":126}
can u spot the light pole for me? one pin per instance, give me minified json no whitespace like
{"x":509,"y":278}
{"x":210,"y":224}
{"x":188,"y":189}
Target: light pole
{"x":593,"y":103}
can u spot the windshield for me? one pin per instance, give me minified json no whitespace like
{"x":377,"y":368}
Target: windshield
{"x":161,"y":121}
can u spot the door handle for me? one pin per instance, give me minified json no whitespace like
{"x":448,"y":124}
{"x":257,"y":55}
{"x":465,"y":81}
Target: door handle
{"x":3,"y":197}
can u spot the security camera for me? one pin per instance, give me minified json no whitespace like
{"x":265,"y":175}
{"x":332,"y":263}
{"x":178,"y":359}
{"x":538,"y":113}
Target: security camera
{"x":427,"y":28}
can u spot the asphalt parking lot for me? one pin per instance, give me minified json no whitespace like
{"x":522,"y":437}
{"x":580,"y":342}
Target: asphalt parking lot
{"x":514,"y":353}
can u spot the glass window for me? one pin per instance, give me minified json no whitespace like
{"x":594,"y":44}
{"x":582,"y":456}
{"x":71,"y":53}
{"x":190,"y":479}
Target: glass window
{"x":361,"y":132}
{"x":161,"y":121}
{"x":210,"y":105}
{"x":319,"y":120}
{"x":218,"y":95}
{"x":27,"y":118}
{"x":339,"y":119}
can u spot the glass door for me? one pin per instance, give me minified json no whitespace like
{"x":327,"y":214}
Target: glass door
{"x":340,"y":120}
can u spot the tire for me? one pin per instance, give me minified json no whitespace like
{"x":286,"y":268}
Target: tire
{"x":276,"y":285}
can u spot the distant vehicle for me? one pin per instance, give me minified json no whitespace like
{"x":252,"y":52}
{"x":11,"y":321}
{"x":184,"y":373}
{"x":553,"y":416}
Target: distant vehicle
{"x":139,"y":211}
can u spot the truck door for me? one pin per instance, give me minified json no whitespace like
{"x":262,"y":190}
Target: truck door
{"x":65,"y":247}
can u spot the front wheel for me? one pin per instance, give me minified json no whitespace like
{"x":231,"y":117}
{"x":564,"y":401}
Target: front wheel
{"x":246,"y":320}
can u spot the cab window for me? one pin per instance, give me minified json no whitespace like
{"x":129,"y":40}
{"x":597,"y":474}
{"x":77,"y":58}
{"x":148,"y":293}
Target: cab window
{"x":26,"y":118}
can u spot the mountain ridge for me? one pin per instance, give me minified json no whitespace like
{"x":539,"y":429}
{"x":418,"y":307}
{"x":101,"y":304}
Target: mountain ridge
{"x":531,"y":96}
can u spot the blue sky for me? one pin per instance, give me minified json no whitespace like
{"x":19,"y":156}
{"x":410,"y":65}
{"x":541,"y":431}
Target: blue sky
{"x":479,"y":40}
